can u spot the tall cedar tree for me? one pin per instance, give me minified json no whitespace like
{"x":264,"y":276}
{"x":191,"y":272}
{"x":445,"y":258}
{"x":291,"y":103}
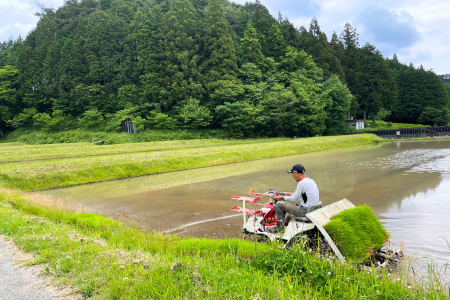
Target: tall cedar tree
{"x":350,"y":56}
{"x":315,"y":43}
{"x":262,"y":21}
{"x":251,"y":47}
{"x":378,"y":87}
{"x":220,"y":63}
{"x":8,"y":102}
{"x":181,"y":50}
{"x":291,"y":35}
{"x":276,"y":45}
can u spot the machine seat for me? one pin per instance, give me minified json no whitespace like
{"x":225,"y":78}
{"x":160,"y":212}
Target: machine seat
{"x":310,"y":209}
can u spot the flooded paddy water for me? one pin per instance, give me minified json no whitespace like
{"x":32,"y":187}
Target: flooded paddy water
{"x":407,"y":184}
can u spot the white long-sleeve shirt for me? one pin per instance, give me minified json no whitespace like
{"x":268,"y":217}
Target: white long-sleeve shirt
{"x":306,"y":193}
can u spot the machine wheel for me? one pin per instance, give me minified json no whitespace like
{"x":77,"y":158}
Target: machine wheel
{"x":317,"y":242}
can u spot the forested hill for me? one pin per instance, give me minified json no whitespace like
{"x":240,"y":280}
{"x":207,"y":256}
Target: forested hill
{"x":203,"y":63}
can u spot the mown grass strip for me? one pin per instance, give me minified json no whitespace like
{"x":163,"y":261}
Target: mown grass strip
{"x":63,"y":173}
{"x":16,"y":153}
{"x":110,"y":260}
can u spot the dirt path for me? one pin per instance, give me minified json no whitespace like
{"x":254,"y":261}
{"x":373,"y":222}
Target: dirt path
{"x":17,"y":283}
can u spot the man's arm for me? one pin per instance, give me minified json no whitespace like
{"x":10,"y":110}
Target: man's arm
{"x":296,"y":195}
{"x":287,"y":193}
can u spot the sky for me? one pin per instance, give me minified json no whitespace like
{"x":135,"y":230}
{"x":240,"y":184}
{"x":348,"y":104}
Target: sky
{"x":417,"y":31}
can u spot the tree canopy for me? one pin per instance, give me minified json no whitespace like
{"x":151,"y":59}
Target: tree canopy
{"x":170,"y":64}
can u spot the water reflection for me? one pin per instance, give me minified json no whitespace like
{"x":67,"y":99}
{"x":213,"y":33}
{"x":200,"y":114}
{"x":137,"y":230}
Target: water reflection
{"x":406,"y":184}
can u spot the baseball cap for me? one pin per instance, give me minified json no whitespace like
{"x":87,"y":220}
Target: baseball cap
{"x":298,"y":168}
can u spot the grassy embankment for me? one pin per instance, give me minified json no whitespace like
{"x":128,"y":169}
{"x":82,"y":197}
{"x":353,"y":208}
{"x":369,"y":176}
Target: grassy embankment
{"x":35,"y":137}
{"x":40,"y":175}
{"x":106,"y":259}
{"x":382,"y":125}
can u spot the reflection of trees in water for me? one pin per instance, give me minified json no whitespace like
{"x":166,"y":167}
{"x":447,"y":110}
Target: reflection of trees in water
{"x":381,"y":189}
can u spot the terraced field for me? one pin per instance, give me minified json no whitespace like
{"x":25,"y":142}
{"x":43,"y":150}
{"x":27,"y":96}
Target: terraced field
{"x":41,"y":167}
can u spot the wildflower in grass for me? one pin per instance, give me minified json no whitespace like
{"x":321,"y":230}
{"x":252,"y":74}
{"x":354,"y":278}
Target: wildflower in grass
{"x":280,"y":221}
{"x":410,"y":287}
{"x":137,"y":220}
{"x":347,"y":279}
{"x":378,"y":293}
{"x":214,"y":233}
{"x":164,"y":232}
{"x":296,"y":225}
{"x":310,"y":272}
{"x":304,"y":219}
{"x":329,"y":273}
{"x":125,"y":278}
{"x":300,"y":270}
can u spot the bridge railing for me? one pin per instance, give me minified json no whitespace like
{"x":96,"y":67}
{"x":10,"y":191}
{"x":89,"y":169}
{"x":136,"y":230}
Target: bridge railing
{"x":401,"y":133}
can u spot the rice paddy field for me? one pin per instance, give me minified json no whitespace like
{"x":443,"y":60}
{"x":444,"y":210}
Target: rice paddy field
{"x":40,"y":167}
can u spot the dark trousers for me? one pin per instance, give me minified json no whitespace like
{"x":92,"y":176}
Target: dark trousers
{"x":281,"y":208}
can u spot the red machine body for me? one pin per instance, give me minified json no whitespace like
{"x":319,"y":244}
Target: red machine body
{"x":267,"y":212}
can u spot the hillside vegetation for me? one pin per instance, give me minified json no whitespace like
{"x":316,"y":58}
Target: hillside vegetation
{"x":170,"y":64}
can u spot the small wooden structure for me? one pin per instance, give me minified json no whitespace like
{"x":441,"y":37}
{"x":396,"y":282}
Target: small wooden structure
{"x":357,"y":124}
{"x":129,"y":127}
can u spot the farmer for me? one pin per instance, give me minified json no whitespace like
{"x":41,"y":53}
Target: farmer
{"x":305,"y":195}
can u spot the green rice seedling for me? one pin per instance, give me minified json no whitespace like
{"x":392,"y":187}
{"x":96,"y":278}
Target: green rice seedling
{"x":356,"y":232}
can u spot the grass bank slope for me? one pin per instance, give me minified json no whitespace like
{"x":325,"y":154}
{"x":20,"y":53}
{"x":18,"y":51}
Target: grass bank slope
{"x":104,"y":259}
{"x":30,"y":176}
{"x":35,"y":137}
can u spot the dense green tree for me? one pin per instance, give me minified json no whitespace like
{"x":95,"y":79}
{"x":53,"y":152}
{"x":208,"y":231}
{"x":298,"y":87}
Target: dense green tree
{"x":181,"y":51}
{"x":378,"y":87}
{"x":194,"y":115}
{"x":291,"y":35}
{"x":262,"y":21}
{"x":251,"y":47}
{"x":220,"y":62}
{"x":315,"y":43}
{"x":8,"y":99}
{"x":92,"y":119}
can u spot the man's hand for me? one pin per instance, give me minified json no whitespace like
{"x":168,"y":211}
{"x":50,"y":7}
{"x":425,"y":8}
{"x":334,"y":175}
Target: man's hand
{"x":288,"y":193}
{"x":279,"y":198}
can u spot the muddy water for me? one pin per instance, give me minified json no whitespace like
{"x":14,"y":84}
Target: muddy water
{"x":406,"y":183}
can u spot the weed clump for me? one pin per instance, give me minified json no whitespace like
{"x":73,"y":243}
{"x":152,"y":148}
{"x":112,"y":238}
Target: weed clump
{"x":357,"y":232}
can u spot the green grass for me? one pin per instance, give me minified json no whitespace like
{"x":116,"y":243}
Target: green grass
{"x":382,"y":125}
{"x":357,"y":232}
{"x":20,"y":152}
{"x":30,"y":136}
{"x":112,"y":260}
{"x":29,"y":176}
